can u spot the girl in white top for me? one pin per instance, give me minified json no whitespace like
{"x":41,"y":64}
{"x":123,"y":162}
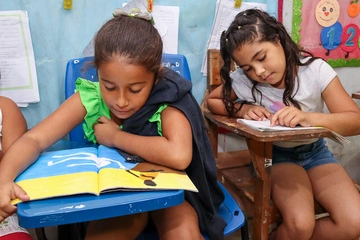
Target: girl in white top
{"x":277,"y":80}
{"x":12,"y":126}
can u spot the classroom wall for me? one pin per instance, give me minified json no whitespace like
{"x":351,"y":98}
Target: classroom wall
{"x":59,"y":35}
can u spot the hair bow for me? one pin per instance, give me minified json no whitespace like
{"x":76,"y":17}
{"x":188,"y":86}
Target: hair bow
{"x":134,"y":12}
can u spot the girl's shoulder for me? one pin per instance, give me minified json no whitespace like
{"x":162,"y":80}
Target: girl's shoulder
{"x":6,"y":102}
{"x":9,"y":107}
{"x":316,"y":63}
{"x":318,"y":66}
{"x":317,"y":73}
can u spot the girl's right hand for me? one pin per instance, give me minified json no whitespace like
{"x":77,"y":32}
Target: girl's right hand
{"x":255,"y":112}
{"x":10,"y":191}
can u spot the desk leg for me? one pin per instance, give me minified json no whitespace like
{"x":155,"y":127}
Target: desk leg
{"x":212,"y":132}
{"x":260,"y":153}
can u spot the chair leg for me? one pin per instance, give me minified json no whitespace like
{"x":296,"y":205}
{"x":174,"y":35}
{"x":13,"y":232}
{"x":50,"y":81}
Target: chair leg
{"x":245,"y":231}
{"x":40,"y":233}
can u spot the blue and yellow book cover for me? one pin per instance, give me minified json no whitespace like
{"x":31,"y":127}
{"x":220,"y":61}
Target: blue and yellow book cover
{"x":95,"y":170}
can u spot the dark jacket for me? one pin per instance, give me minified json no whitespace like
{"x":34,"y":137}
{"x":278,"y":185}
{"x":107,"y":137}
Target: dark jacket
{"x":175,"y":91}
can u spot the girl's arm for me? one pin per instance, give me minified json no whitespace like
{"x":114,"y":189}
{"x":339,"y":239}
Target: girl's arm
{"x":344,"y":113}
{"x":343,"y":118}
{"x":247,"y":111}
{"x":215,"y":103}
{"x":173,"y":149}
{"x":13,"y":123}
{"x":13,"y":127}
{"x":27,"y":148}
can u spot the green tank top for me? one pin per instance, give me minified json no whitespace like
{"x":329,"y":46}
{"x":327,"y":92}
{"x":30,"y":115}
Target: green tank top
{"x":95,"y":106}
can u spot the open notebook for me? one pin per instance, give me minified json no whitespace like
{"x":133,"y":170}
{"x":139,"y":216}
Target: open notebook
{"x":265,"y":126}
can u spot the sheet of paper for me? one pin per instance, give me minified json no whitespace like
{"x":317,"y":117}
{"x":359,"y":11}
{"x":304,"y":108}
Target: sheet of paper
{"x":224,"y":15}
{"x":166,"y":22}
{"x":168,"y":16}
{"x":265,"y":126}
{"x":18,"y":78}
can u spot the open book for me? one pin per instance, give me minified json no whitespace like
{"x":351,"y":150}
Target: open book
{"x":95,"y":170}
{"x":265,"y":126}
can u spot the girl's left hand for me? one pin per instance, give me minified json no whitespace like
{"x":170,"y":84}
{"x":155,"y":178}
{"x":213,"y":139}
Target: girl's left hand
{"x":105,"y":131}
{"x":289,"y":116}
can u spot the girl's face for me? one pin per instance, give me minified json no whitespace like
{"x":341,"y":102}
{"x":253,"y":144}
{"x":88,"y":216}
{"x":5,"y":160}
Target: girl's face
{"x":262,"y":62}
{"x":124,"y":87}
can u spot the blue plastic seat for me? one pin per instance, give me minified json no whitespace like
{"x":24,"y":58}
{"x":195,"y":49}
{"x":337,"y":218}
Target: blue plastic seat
{"x":83,"y":67}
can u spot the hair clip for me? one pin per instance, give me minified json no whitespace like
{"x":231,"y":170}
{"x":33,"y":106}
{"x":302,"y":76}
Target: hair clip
{"x":227,"y":39}
{"x":134,"y":12}
{"x":239,"y":27}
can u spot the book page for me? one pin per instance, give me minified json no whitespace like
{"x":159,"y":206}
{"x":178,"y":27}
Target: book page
{"x":60,"y":173}
{"x":117,"y":174}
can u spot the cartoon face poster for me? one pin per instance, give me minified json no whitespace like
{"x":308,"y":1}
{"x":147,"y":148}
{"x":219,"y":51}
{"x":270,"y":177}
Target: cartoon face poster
{"x":329,"y":29}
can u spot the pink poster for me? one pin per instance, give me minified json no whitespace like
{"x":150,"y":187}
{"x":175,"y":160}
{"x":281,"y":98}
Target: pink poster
{"x":329,"y":29}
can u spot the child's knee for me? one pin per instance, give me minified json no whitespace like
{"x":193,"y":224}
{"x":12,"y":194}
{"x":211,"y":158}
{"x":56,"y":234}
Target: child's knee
{"x":300,"y":225}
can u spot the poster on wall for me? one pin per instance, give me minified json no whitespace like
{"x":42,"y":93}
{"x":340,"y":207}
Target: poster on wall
{"x":329,"y":29}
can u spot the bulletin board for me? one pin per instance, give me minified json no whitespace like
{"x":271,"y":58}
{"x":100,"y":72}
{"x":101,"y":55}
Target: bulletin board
{"x":329,"y":29}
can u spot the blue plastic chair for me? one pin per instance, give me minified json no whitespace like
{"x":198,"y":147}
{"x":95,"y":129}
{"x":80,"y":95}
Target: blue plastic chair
{"x":83,"y":67}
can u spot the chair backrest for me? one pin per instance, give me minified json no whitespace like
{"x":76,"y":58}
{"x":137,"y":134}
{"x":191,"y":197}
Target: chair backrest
{"x":233,"y":215}
{"x":83,"y":67}
{"x":214,"y":64}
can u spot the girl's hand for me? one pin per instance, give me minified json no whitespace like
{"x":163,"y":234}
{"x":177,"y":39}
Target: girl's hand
{"x":289,"y":116}
{"x":104,"y":131}
{"x":254,"y":112}
{"x":10,"y":191}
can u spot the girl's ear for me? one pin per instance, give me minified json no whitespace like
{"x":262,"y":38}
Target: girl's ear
{"x":278,"y":39}
{"x":158,"y":74}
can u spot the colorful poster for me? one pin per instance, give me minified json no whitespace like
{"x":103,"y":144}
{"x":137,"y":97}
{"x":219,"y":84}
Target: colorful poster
{"x":329,"y":29}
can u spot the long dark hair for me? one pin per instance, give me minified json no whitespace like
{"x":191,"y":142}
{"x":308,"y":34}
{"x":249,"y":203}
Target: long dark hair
{"x":257,"y":25}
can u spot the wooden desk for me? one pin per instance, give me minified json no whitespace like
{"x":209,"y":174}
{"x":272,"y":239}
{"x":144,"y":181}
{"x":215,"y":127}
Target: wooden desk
{"x":260,"y":147}
{"x":356,"y":95}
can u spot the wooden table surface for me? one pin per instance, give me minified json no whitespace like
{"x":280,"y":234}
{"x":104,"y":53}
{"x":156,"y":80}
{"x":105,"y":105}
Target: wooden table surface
{"x":265,"y":136}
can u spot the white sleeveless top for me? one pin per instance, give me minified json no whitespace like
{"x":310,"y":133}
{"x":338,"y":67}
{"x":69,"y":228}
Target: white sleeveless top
{"x":10,"y":224}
